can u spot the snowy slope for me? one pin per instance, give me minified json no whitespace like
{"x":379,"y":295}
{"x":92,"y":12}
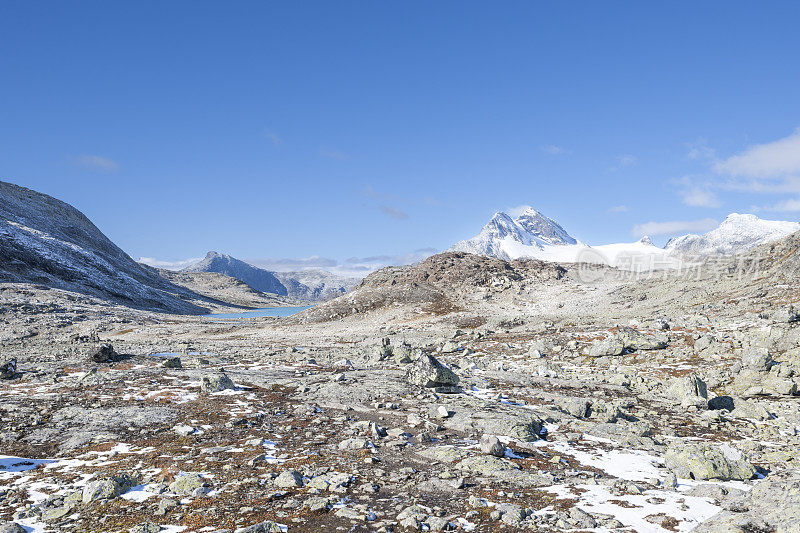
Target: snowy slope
{"x":46,"y":241}
{"x":311,"y":285}
{"x":737,"y":233}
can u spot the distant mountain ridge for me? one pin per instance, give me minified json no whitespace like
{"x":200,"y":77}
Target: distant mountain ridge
{"x":46,"y":241}
{"x":737,"y":233}
{"x":532,"y":235}
{"x":311,"y":285}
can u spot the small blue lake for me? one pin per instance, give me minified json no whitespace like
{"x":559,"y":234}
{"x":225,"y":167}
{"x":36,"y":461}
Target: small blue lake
{"x":256,"y":313}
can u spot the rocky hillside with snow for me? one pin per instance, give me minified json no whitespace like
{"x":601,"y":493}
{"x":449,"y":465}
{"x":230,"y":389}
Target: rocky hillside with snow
{"x":50,"y":243}
{"x":310,"y":285}
{"x":737,"y":233}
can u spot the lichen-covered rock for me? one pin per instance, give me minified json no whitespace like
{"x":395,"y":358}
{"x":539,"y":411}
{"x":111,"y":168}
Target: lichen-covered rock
{"x":607,"y":347}
{"x":635,"y":340}
{"x":772,"y":505}
{"x":267,"y":526}
{"x":703,"y":461}
{"x":289,"y":479}
{"x":189,"y":483}
{"x":689,"y":390}
{"x":103,"y":354}
{"x":427,"y":371}
{"x":486,"y":465}
{"x":216,"y":382}
{"x":108,"y":488}
{"x":146,"y":527}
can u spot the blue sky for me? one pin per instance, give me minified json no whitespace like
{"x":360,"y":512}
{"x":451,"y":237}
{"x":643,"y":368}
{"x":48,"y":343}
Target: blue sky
{"x":378,"y":131}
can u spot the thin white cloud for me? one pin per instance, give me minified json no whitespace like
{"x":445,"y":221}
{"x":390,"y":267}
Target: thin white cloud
{"x":552,"y":149}
{"x":168,"y":265}
{"x":624,"y":161}
{"x":700,"y":197}
{"x":618,"y":209}
{"x":393,"y":212}
{"x":790,"y":205}
{"x":97,"y":163}
{"x":273,"y":137}
{"x":776,"y":159}
{"x":289,"y":264}
{"x":674,"y":227}
{"x":697,"y":192}
{"x":700,"y":151}
{"x":332,"y":153}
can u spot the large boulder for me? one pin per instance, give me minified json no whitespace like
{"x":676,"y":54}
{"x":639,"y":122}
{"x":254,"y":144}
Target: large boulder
{"x":107,"y":488}
{"x":103,"y":354}
{"x":772,"y":505}
{"x":427,"y":371}
{"x":634,"y":340}
{"x":689,"y":390}
{"x":607,"y":347}
{"x":216,"y":382}
{"x":703,"y":461}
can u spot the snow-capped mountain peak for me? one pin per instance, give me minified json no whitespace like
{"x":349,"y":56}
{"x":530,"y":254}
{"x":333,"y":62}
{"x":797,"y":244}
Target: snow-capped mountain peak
{"x":529,"y":235}
{"x":737,"y":233}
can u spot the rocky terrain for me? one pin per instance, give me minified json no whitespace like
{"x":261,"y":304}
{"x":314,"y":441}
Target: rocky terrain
{"x":465,"y":393}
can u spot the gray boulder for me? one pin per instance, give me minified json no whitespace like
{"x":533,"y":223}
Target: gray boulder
{"x":108,"y":488}
{"x":491,"y":445}
{"x":267,"y":526}
{"x":103,"y":354}
{"x":11,"y":527}
{"x":703,"y":462}
{"x":216,"y":382}
{"x":611,"y":346}
{"x":689,"y":390}
{"x":427,"y":371}
{"x":772,"y":505}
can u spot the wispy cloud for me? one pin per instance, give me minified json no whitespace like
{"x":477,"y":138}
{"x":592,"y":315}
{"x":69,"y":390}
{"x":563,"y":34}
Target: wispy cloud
{"x":168,"y":265}
{"x":96,"y":163}
{"x":273,"y":137}
{"x":624,"y":161}
{"x":332,"y":153}
{"x":393,"y":212}
{"x":700,"y":151}
{"x":790,"y":205}
{"x":696,"y":192}
{"x":777,"y":159}
{"x":288,"y":264}
{"x":674,"y":227}
{"x":618,"y":209}
{"x":552,"y":149}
